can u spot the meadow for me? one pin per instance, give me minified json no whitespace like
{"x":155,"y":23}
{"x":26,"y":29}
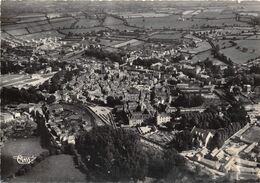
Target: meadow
{"x":86,"y":22}
{"x":237,"y":56}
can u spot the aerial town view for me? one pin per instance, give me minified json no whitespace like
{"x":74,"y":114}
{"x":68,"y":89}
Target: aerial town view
{"x":130,"y":91}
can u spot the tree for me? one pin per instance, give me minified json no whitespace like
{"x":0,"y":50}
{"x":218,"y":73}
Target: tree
{"x":182,"y":141}
{"x":51,"y":99}
{"x":115,"y":154}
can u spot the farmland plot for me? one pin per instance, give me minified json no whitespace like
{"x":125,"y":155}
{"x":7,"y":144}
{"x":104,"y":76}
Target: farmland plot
{"x":82,"y":31}
{"x":86,"y":23}
{"x":40,"y":35}
{"x":246,"y":50}
{"x":121,"y":27}
{"x":172,"y":21}
{"x":112,"y":21}
{"x":62,"y":22}
{"x":17,"y":32}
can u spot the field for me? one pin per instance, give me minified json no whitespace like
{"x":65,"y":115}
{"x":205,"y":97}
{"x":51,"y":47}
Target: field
{"x":121,"y":27}
{"x":40,"y":35}
{"x":62,"y":22}
{"x":148,"y":14}
{"x":172,"y":21}
{"x":167,"y":36}
{"x":132,"y":42}
{"x":253,"y":134}
{"x":202,"y":46}
{"x":17,"y":32}
{"x":88,"y":30}
{"x":108,"y":42}
{"x":10,"y":79}
{"x":31,"y":19}
{"x":109,"y":20}
{"x":57,"y":168}
{"x":214,"y":15}
{"x":250,"y":44}
{"x":22,"y":80}
{"x":86,"y":23}
{"x":254,"y":37}
{"x":14,"y":147}
{"x":40,"y":28}
{"x":239,"y":56}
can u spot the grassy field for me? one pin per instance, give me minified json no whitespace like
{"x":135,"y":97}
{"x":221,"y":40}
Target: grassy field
{"x":40,"y":35}
{"x":14,"y":147}
{"x":250,"y":44}
{"x":88,"y":30}
{"x":121,"y":27}
{"x":163,"y":35}
{"x":147,"y":14}
{"x":253,"y":134}
{"x":85,"y":22}
{"x":62,"y":24}
{"x":214,"y":15}
{"x":238,"y":56}
{"x":58,"y":168}
{"x":112,"y":21}
{"x":157,"y":22}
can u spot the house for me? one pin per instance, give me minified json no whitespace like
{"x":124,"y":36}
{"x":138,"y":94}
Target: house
{"x":136,"y":118}
{"x":146,"y":129}
{"x":71,"y":139}
{"x":202,"y":135}
{"x":132,"y":95}
{"x":162,"y":118}
{"x":170,"y":109}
